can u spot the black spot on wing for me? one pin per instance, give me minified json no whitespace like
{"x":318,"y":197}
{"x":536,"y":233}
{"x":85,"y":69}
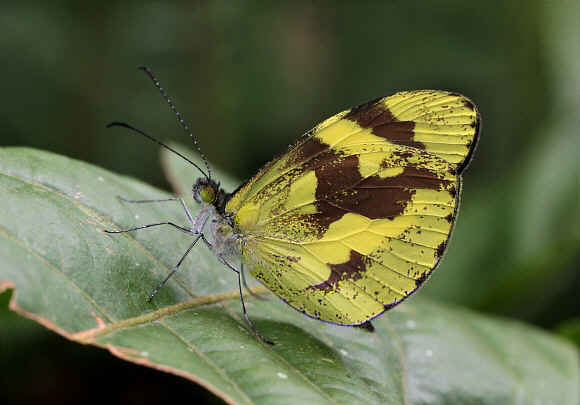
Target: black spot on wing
{"x":421,"y":279}
{"x":440,"y":249}
{"x":375,"y":116}
{"x":352,"y":269}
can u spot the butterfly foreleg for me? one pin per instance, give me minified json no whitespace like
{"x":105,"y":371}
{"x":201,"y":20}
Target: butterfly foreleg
{"x":240,"y":276}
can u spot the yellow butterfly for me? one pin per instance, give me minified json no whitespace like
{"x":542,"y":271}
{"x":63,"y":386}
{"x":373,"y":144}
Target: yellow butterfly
{"x":352,"y":218}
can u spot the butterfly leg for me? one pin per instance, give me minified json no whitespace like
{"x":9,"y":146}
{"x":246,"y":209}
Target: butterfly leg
{"x":187,"y":231}
{"x":253,"y":294}
{"x":239,"y":273}
{"x":175,"y":269}
{"x":209,"y":245}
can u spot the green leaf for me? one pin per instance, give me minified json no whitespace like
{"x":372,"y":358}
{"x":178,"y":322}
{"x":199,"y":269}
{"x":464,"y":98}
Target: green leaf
{"x":92,"y":287}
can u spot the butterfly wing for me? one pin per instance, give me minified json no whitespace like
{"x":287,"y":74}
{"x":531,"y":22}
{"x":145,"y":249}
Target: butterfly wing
{"x":354,"y":216}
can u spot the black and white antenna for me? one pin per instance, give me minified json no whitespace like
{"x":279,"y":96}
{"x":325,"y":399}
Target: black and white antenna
{"x":125,"y":125}
{"x":150,"y":74}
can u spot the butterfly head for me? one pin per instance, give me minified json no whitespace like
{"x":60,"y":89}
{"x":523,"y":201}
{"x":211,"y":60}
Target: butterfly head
{"x":208,"y":192}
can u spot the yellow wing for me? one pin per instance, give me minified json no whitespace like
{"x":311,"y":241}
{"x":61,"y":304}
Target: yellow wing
{"x":354,"y":216}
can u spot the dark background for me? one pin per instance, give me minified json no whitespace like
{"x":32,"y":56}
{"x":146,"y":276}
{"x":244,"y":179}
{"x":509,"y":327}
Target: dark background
{"x":249,"y":79}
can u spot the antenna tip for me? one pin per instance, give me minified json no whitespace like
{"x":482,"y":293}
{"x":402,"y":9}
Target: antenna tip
{"x":116,"y":124}
{"x":146,"y":70}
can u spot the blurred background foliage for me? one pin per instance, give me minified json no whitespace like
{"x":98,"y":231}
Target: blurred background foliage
{"x":250,"y":78}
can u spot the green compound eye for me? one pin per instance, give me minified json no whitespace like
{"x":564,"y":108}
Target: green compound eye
{"x":207,"y":195}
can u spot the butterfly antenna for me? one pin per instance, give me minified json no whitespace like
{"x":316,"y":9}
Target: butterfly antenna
{"x":122,"y":124}
{"x":150,"y":74}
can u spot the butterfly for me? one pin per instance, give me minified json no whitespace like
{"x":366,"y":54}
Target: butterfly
{"x":351,"y":218}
